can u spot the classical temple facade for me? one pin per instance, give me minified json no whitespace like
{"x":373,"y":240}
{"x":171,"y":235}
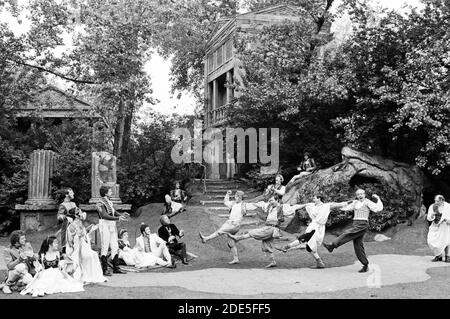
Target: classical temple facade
{"x":57,"y":104}
{"x":223,"y":69}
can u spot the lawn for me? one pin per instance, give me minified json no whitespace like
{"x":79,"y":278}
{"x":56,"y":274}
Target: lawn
{"x":406,"y":240}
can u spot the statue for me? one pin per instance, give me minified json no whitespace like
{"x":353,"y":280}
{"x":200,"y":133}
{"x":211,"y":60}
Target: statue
{"x":104,"y":172}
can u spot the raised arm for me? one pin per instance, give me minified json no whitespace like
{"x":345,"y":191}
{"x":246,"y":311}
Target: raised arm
{"x":375,"y":207}
{"x":227,"y":200}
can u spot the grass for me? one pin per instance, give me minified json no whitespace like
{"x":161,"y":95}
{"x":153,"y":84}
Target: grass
{"x":215,"y":254}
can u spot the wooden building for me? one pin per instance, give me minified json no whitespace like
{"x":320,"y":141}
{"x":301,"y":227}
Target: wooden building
{"x":223,"y":69}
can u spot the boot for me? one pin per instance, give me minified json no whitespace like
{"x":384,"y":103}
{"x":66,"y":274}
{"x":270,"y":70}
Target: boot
{"x":104,"y":262}
{"x":329,"y":247}
{"x":284,"y":249}
{"x":116,"y":268}
{"x":437,"y":258}
{"x":364,"y":268}
{"x":319,"y":264}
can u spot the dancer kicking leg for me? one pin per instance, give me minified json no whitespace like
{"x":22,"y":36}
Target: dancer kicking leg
{"x":362,"y":208}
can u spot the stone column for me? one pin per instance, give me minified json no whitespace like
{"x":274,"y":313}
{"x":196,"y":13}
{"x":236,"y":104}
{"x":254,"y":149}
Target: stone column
{"x":215,"y":100}
{"x":229,"y":89}
{"x":39,"y":182}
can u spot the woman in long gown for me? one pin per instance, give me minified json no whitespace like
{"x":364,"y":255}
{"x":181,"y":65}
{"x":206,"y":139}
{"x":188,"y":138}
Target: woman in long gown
{"x":78,"y":249}
{"x":51,"y":279}
{"x":134,"y":256}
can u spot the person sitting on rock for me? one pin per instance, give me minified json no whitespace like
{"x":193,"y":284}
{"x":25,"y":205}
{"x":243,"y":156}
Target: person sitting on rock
{"x":305,"y":168}
{"x":18,"y":273}
{"x":172,"y":208}
{"x":169,"y":233}
{"x":275,"y":189}
{"x":439,"y":231}
{"x":179,"y":195}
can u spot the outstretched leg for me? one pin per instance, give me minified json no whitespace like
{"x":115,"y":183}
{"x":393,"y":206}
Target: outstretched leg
{"x":204,"y":239}
{"x":295,"y":244}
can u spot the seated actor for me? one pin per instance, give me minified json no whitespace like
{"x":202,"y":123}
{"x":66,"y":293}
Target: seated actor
{"x":169,"y":233}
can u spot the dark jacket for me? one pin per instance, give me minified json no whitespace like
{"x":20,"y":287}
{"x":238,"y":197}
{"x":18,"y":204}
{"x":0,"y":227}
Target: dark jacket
{"x":164,"y":233}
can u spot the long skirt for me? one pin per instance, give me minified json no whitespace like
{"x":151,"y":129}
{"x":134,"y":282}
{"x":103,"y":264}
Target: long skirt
{"x":86,"y":262}
{"x":52,"y":281}
{"x":438,"y":238}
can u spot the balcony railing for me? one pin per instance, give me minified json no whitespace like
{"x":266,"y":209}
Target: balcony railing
{"x":216,"y":117}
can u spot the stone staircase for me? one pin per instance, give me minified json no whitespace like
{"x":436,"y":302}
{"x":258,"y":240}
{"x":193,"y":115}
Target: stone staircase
{"x":216,"y":191}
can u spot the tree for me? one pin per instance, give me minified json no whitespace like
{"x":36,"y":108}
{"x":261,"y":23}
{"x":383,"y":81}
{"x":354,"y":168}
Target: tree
{"x":396,"y":71}
{"x":287,"y":85}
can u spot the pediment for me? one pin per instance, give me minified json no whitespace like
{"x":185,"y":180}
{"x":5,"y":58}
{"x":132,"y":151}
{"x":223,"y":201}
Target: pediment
{"x":54,"y":102}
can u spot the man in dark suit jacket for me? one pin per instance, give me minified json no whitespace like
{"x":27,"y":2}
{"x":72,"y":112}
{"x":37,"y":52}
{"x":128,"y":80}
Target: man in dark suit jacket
{"x":169,"y":233}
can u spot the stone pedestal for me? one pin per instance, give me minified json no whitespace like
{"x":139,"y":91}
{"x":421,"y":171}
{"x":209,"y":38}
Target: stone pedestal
{"x":104,"y":172}
{"x":39,"y":182}
{"x":37,"y":217}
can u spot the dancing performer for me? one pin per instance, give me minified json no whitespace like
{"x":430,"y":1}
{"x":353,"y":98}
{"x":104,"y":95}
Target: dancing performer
{"x":439,"y":231}
{"x":361,"y":207}
{"x":108,"y":217}
{"x":270,"y":231}
{"x":52,"y":278}
{"x":315,"y":232}
{"x":64,"y":207}
{"x":238,"y":209}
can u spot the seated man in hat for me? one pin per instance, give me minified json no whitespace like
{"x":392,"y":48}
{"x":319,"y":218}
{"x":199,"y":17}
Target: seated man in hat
{"x":169,"y":233}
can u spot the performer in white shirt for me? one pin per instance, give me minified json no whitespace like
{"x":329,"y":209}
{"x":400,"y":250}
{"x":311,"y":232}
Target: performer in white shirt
{"x":315,"y":232}
{"x":361,"y":207}
{"x":238,"y":209}
{"x":439,"y":232}
{"x":270,"y":231}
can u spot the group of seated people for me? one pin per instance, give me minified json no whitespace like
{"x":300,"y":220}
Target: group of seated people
{"x":153,"y":249}
{"x":68,"y":264}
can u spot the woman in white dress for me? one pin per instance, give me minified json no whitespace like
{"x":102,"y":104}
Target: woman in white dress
{"x":78,"y":249}
{"x":439,"y":231}
{"x":51,"y":278}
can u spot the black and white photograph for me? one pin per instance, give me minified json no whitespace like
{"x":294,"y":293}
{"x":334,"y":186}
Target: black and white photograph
{"x":224,"y":153}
